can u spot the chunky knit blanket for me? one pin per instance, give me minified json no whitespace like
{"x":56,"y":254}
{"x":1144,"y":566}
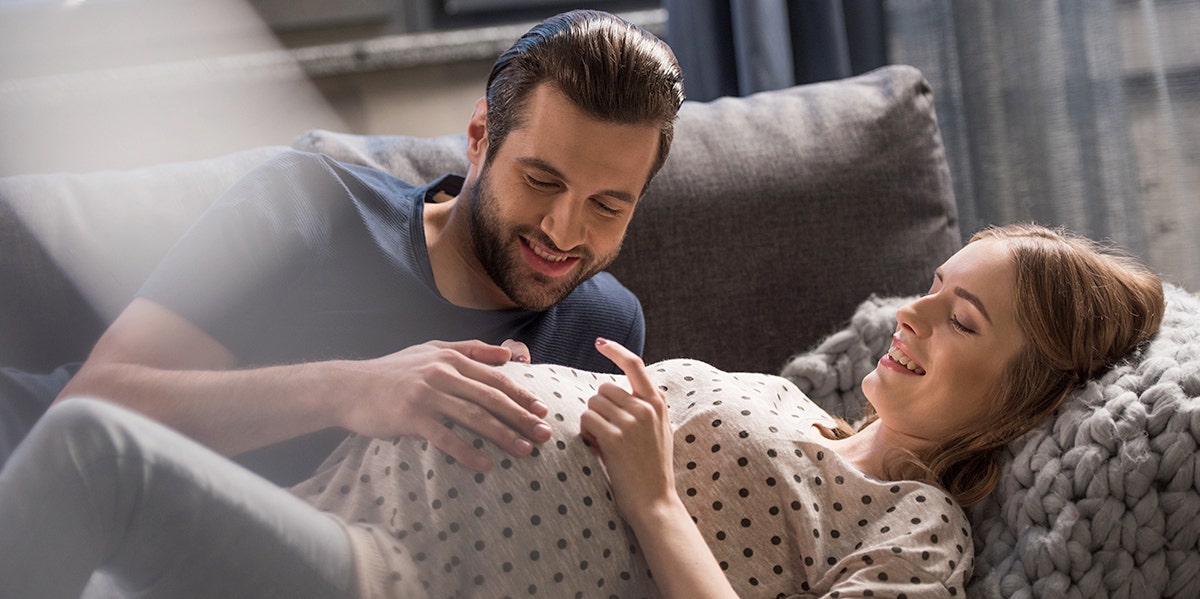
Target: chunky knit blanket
{"x":1101,"y":501}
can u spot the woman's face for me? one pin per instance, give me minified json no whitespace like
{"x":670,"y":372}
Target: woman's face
{"x":950,"y":347}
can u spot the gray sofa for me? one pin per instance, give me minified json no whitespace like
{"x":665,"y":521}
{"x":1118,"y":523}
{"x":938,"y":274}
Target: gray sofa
{"x":780,"y":236}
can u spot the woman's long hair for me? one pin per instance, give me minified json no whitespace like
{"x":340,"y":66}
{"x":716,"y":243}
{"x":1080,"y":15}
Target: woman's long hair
{"x":1081,"y":308}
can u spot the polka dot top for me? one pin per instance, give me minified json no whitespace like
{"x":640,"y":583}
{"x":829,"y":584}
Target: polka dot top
{"x":783,"y":514}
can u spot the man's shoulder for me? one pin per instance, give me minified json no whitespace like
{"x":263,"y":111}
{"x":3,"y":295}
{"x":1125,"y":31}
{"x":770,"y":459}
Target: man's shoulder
{"x":603,"y":291}
{"x":602,"y":306}
{"x":312,"y":164}
{"x":599,"y":307}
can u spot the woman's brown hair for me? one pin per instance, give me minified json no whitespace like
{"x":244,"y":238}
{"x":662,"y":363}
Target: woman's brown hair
{"x":1082,"y":308}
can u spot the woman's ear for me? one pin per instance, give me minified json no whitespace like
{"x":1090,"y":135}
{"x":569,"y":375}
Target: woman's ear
{"x":477,"y":139}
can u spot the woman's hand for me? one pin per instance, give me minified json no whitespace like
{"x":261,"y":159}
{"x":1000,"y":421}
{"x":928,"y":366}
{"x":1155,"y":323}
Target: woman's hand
{"x":632,"y":434}
{"x":634,"y":439}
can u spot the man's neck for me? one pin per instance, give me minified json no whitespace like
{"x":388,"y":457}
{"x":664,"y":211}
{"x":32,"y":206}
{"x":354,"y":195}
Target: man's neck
{"x":459,"y":276}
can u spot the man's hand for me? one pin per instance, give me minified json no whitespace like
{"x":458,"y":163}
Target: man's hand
{"x":417,"y":390}
{"x":520,"y":351}
{"x":156,"y":362}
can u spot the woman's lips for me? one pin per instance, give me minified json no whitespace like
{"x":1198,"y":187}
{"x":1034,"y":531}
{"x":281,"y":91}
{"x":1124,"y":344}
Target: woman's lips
{"x":898,"y":359}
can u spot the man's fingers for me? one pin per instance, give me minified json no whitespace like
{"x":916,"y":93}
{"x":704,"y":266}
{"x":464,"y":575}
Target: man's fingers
{"x":520,"y":351}
{"x":505,"y":392}
{"x":478,"y":350}
{"x":469,"y":391}
{"x":485,"y":405}
{"x":484,"y":372}
{"x":513,"y":430}
{"x":456,"y":447}
{"x":631,"y":364}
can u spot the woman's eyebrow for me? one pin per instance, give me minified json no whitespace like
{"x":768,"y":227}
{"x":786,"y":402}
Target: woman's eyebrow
{"x":971,"y":297}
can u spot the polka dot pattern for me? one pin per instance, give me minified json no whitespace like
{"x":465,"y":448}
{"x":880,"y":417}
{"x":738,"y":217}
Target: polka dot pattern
{"x":782,"y":513}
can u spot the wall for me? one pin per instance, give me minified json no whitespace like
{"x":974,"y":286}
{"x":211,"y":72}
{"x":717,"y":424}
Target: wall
{"x":125,"y":83}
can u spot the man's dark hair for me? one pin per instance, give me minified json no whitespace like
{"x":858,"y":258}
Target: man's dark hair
{"x":608,"y":67}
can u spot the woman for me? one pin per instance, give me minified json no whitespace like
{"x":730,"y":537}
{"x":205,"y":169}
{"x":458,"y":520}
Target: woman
{"x":1012,"y":324}
{"x":691,"y":481}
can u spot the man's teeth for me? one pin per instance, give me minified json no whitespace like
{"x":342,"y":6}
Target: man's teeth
{"x":543,"y":255}
{"x":899,"y":356}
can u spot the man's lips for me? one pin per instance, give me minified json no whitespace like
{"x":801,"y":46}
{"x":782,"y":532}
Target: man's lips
{"x":545,"y":260}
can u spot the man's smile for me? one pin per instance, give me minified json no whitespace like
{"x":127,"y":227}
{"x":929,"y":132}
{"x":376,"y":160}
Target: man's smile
{"x":545,"y":260}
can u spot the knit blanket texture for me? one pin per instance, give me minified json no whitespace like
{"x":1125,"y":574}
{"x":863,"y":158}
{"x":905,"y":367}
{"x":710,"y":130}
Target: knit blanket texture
{"x":1103,"y":500}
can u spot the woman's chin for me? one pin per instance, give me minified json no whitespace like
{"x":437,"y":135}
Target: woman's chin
{"x":869,"y":383}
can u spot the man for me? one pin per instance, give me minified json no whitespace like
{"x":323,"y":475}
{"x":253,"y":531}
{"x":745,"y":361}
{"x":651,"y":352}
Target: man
{"x":279,"y":315}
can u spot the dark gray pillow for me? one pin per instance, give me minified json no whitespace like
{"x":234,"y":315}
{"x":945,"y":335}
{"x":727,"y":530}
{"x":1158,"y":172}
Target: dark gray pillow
{"x":775,"y":215}
{"x":778,"y":213}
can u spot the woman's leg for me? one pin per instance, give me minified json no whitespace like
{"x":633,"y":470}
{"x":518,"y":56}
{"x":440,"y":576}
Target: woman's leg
{"x":96,"y":486}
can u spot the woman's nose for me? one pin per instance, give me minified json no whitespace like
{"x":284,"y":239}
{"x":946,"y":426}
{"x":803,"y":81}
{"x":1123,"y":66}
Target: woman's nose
{"x":913,"y":316}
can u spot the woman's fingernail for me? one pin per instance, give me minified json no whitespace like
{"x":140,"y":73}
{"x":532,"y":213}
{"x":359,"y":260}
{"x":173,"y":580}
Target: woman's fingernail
{"x":601,"y":341}
{"x":524,"y":446}
{"x":521,"y":359}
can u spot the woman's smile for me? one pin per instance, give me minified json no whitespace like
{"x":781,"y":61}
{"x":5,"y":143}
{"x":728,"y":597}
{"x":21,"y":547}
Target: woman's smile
{"x":897,"y":358}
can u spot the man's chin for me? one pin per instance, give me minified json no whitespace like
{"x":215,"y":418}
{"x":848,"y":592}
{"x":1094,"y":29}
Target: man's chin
{"x":539,"y":302}
{"x":537,"y":292}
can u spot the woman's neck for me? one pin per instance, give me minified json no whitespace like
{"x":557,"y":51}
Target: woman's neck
{"x":869,"y":449}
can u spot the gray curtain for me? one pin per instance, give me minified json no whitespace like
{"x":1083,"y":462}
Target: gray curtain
{"x":738,"y":47}
{"x":1081,"y":113}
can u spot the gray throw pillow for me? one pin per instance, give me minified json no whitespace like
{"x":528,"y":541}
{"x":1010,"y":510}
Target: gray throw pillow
{"x":1099,"y":501}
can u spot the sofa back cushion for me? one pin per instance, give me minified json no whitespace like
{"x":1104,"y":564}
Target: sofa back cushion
{"x":773,"y":217}
{"x":778,"y":213}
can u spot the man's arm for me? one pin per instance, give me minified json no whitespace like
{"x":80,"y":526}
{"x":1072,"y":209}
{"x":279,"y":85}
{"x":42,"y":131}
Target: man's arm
{"x":156,"y":362}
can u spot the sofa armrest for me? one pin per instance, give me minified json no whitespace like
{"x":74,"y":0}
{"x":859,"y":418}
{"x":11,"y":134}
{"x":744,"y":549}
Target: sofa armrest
{"x":74,"y":248}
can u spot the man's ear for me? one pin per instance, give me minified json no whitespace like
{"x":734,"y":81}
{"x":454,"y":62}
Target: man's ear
{"x":477,"y":139}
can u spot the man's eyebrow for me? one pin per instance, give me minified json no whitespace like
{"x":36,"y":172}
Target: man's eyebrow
{"x":971,"y":297}
{"x":542,"y":165}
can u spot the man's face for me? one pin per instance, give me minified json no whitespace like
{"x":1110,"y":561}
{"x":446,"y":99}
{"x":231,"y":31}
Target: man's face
{"x":551,"y":208}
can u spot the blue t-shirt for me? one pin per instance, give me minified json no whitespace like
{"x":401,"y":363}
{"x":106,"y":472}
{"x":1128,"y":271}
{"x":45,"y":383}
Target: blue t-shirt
{"x":309,"y":259}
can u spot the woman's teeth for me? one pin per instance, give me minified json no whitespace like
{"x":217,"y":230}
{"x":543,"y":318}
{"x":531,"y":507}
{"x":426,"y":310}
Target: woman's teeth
{"x":899,"y":356}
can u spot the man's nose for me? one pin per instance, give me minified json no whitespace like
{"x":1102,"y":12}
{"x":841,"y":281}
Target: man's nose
{"x":563,"y":223}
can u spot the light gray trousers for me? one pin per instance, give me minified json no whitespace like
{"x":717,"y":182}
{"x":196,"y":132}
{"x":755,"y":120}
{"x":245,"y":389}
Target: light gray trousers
{"x":97,"y":488}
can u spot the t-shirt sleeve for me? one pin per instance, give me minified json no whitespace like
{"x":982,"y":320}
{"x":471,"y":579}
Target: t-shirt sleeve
{"x":895,"y":576}
{"x":243,"y":251}
{"x":636,"y":339}
{"x":600,"y":307}
{"x":922,"y":549}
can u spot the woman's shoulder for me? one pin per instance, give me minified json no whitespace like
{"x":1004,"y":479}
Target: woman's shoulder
{"x":909,"y":532}
{"x":902,"y":497}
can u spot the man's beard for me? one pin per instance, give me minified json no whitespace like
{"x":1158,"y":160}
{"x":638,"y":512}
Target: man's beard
{"x":493,"y":243}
